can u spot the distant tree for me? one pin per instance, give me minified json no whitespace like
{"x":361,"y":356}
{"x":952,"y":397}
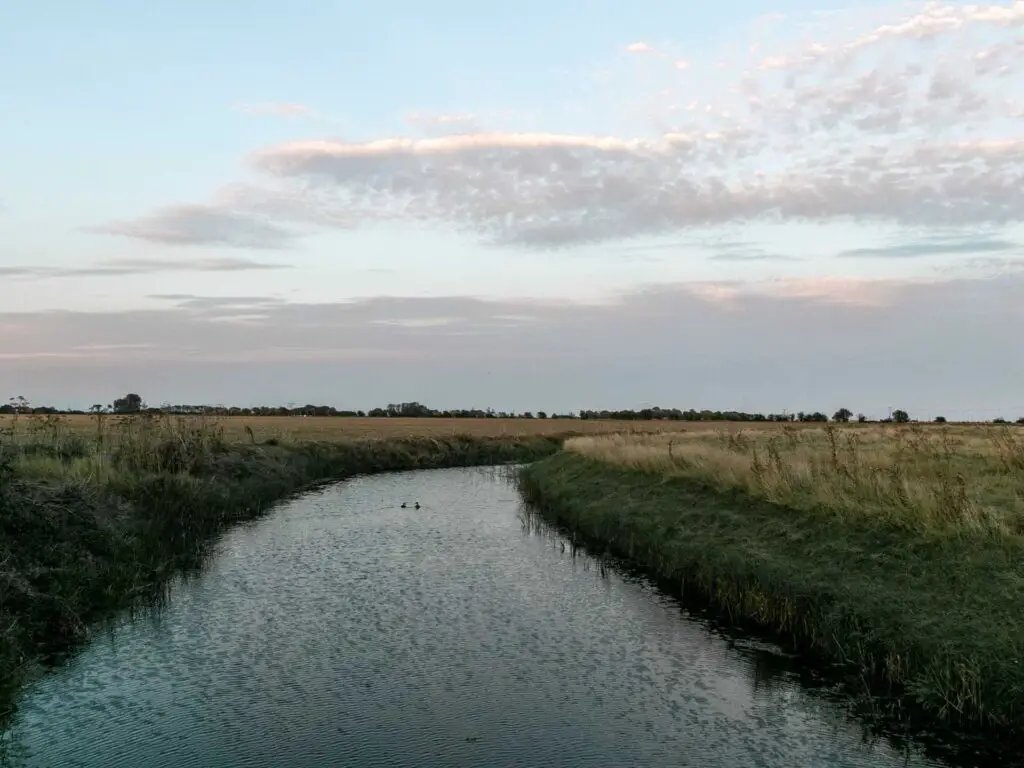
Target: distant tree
{"x":843,"y":415}
{"x":861,"y":418}
{"x":543,"y":415}
{"x":900,"y":416}
{"x":20,"y":404}
{"x":940,"y":419}
{"x":1020,"y":420}
{"x":130,"y":403}
{"x":816,"y":416}
{"x":1000,"y":420}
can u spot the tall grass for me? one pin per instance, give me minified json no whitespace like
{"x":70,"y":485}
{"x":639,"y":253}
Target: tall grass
{"x":954,"y":479}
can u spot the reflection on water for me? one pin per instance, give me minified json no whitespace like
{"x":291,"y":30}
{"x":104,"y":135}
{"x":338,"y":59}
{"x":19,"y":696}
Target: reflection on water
{"x":344,"y":630}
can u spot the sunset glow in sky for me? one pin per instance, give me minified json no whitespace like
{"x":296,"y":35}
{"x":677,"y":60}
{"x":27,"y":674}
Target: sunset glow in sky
{"x":525,"y":206}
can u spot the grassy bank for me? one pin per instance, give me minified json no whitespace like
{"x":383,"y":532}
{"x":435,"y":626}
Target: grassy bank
{"x":87,"y":525}
{"x":934,"y":609}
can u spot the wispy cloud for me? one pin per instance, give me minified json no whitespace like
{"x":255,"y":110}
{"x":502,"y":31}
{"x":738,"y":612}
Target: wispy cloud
{"x":116,"y":267}
{"x":747,"y":252}
{"x":544,"y":189}
{"x":202,"y":225}
{"x":929,"y":22}
{"x":827,"y":130}
{"x":638,"y":47}
{"x":934,"y":247}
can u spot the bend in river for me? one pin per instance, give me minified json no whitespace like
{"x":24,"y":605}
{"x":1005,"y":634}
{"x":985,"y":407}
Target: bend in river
{"x":342,"y":629}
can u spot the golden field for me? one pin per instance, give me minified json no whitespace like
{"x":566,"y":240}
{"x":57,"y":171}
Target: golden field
{"x":297,"y":428}
{"x":963,"y":477}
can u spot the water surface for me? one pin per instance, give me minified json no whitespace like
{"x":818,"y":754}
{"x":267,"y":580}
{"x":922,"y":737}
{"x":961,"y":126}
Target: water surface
{"x":344,"y":630}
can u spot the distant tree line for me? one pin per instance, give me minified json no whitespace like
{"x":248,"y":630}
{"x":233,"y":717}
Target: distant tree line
{"x":133,"y":403}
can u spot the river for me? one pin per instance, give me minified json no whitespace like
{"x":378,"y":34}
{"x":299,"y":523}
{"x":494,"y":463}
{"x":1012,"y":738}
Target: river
{"x":344,"y":630}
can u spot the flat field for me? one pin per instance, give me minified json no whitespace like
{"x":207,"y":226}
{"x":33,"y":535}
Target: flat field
{"x":340,"y":428}
{"x":962,"y":477}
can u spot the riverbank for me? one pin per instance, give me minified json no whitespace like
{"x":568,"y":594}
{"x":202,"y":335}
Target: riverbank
{"x":86,"y":528}
{"x":343,"y":630}
{"x":934,"y":612}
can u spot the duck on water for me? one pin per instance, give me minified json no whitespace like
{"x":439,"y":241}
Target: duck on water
{"x":414,"y":506}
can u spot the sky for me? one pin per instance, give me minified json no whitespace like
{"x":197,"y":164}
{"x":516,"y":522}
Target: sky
{"x":530,"y":206}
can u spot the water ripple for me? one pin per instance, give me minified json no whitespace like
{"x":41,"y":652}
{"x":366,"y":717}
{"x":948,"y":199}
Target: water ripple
{"x":343,"y":630}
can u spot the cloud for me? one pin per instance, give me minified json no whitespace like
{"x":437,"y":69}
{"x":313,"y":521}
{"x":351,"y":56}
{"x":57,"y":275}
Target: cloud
{"x":116,"y":267}
{"x":746,"y":252}
{"x":991,"y":265}
{"x":837,"y":290}
{"x":300,"y":204}
{"x":934,"y":247}
{"x":933,"y":20}
{"x":547,"y":189}
{"x":863,"y":124}
{"x":276,"y":109}
{"x":202,"y":225}
{"x":639,"y":47}
{"x":753,"y":256}
{"x":217,"y":304}
{"x":934,"y":346}
{"x":1001,"y":59}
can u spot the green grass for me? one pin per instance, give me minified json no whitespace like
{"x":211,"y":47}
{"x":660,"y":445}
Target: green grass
{"x":87,"y":527}
{"x":939,"y":616}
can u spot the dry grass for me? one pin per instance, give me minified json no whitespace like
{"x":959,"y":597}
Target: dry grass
{"x":298,"y":428}
{"x":106,"y":448}
{"x":964,"y":478}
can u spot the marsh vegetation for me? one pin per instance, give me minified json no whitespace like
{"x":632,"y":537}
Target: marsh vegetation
{"x":95,"y":513}
{"x":893,"y":552}
{"x":923,"y":477}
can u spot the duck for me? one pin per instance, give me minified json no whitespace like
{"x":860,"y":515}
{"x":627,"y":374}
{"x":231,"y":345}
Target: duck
{"x":416,"y":505}
{"x":404,"y":505}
